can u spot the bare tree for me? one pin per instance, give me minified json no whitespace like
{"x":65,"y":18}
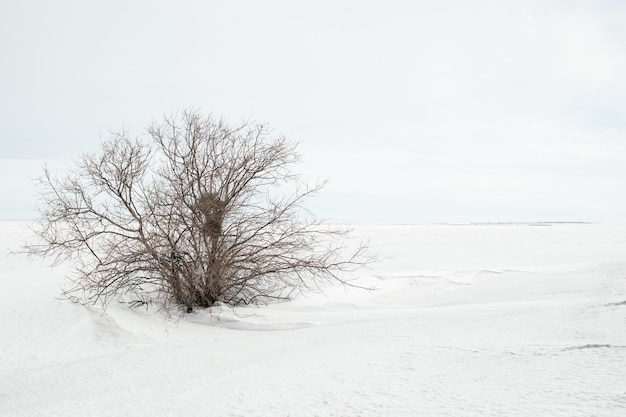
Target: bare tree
{"x":204,"y":213}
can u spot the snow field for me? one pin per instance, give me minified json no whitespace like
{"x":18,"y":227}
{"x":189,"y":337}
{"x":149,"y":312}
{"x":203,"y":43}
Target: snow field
{"x":464,"y":321}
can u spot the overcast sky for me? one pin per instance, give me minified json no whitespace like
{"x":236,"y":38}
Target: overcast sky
{"x":416,"y":111}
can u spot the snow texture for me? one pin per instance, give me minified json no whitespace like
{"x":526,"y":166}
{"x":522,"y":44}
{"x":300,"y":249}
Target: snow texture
{"x":483,"y":320}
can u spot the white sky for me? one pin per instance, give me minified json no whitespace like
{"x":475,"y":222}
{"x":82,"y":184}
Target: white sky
{"x":416,"y":111}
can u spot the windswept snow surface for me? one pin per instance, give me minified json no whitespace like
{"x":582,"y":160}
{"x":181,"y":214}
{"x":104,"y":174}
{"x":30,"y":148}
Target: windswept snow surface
{"x":490,"y":320}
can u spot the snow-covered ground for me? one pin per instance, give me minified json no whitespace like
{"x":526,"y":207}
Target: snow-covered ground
{"x":493,"y":320}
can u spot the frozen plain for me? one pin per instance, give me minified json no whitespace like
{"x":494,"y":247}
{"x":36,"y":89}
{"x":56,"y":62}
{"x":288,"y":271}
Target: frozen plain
{"x":475,"y":320}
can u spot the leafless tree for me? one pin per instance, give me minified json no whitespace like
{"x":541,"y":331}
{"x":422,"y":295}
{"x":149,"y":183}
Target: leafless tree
{"x":203,"y":213}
